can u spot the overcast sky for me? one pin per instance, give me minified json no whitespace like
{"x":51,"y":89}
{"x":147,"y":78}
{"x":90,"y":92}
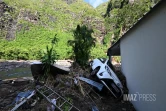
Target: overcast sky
{"x":95,"y":3}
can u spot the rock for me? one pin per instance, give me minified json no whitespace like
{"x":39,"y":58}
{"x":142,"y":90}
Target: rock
{"x":68,"y":84}
{"x":7,"y":23}
{"x":11,"y":30}
{"x":17,"y":82}
{"x":69,"y":1}
{"x":124,"y":109}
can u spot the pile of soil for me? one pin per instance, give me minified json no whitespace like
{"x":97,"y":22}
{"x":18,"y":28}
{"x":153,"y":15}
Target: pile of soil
{"x":83,"y":96}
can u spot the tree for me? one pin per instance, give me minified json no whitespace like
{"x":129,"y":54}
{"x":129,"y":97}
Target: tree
{"x":81,"y":45}
{"x":125,"y":15}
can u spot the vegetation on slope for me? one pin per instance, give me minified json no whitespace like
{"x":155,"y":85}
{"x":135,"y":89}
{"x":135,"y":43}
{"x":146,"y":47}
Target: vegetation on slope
{"x":122,"y":15}
{"x":27,"y":26}
{"x":39,"y":20}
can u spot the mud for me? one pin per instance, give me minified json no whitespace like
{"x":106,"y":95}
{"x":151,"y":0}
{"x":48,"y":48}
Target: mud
{"x":82,"y":96}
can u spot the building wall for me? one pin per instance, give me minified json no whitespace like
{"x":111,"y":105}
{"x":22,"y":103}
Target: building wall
{"x":143,"y":52}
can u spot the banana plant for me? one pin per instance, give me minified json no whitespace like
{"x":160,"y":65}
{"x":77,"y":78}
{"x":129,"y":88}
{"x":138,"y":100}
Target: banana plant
{"x":49,"y":58}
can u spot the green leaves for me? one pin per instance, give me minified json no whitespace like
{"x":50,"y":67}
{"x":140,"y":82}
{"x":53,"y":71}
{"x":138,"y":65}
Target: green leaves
{"x":49,"y":57}
{"x":82,"y":44}
{"x":123,"y":17}
{"x":54,"y":40}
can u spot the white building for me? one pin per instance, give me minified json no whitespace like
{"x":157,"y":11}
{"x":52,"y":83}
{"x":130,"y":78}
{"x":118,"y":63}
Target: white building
{"x":143,"y":57}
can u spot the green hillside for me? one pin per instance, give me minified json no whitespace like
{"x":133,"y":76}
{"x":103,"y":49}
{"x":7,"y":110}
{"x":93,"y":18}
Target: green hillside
{"x":27,"y":26}
{"x":35,"y":22}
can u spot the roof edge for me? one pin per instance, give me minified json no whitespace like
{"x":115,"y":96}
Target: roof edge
{"x":134,"y":25}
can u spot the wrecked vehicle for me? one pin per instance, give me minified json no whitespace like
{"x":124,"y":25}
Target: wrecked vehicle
{"x":101,"y":68}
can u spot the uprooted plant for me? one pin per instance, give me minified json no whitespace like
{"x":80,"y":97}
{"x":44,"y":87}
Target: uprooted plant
{"x":49,"y":58}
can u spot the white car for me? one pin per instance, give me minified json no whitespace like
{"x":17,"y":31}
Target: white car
{"x":105,"y":74}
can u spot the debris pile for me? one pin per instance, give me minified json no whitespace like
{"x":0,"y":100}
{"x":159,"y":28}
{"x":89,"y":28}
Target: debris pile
{"x":83,"y":96}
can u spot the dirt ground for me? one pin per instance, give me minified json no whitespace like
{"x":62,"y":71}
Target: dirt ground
{"x":82,"y":96}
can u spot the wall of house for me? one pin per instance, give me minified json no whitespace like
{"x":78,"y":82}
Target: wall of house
{"x":143,"y":52}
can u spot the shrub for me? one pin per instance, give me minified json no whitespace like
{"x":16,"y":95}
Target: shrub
{"x":49,"y":58}
{"x":82,"y":44}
